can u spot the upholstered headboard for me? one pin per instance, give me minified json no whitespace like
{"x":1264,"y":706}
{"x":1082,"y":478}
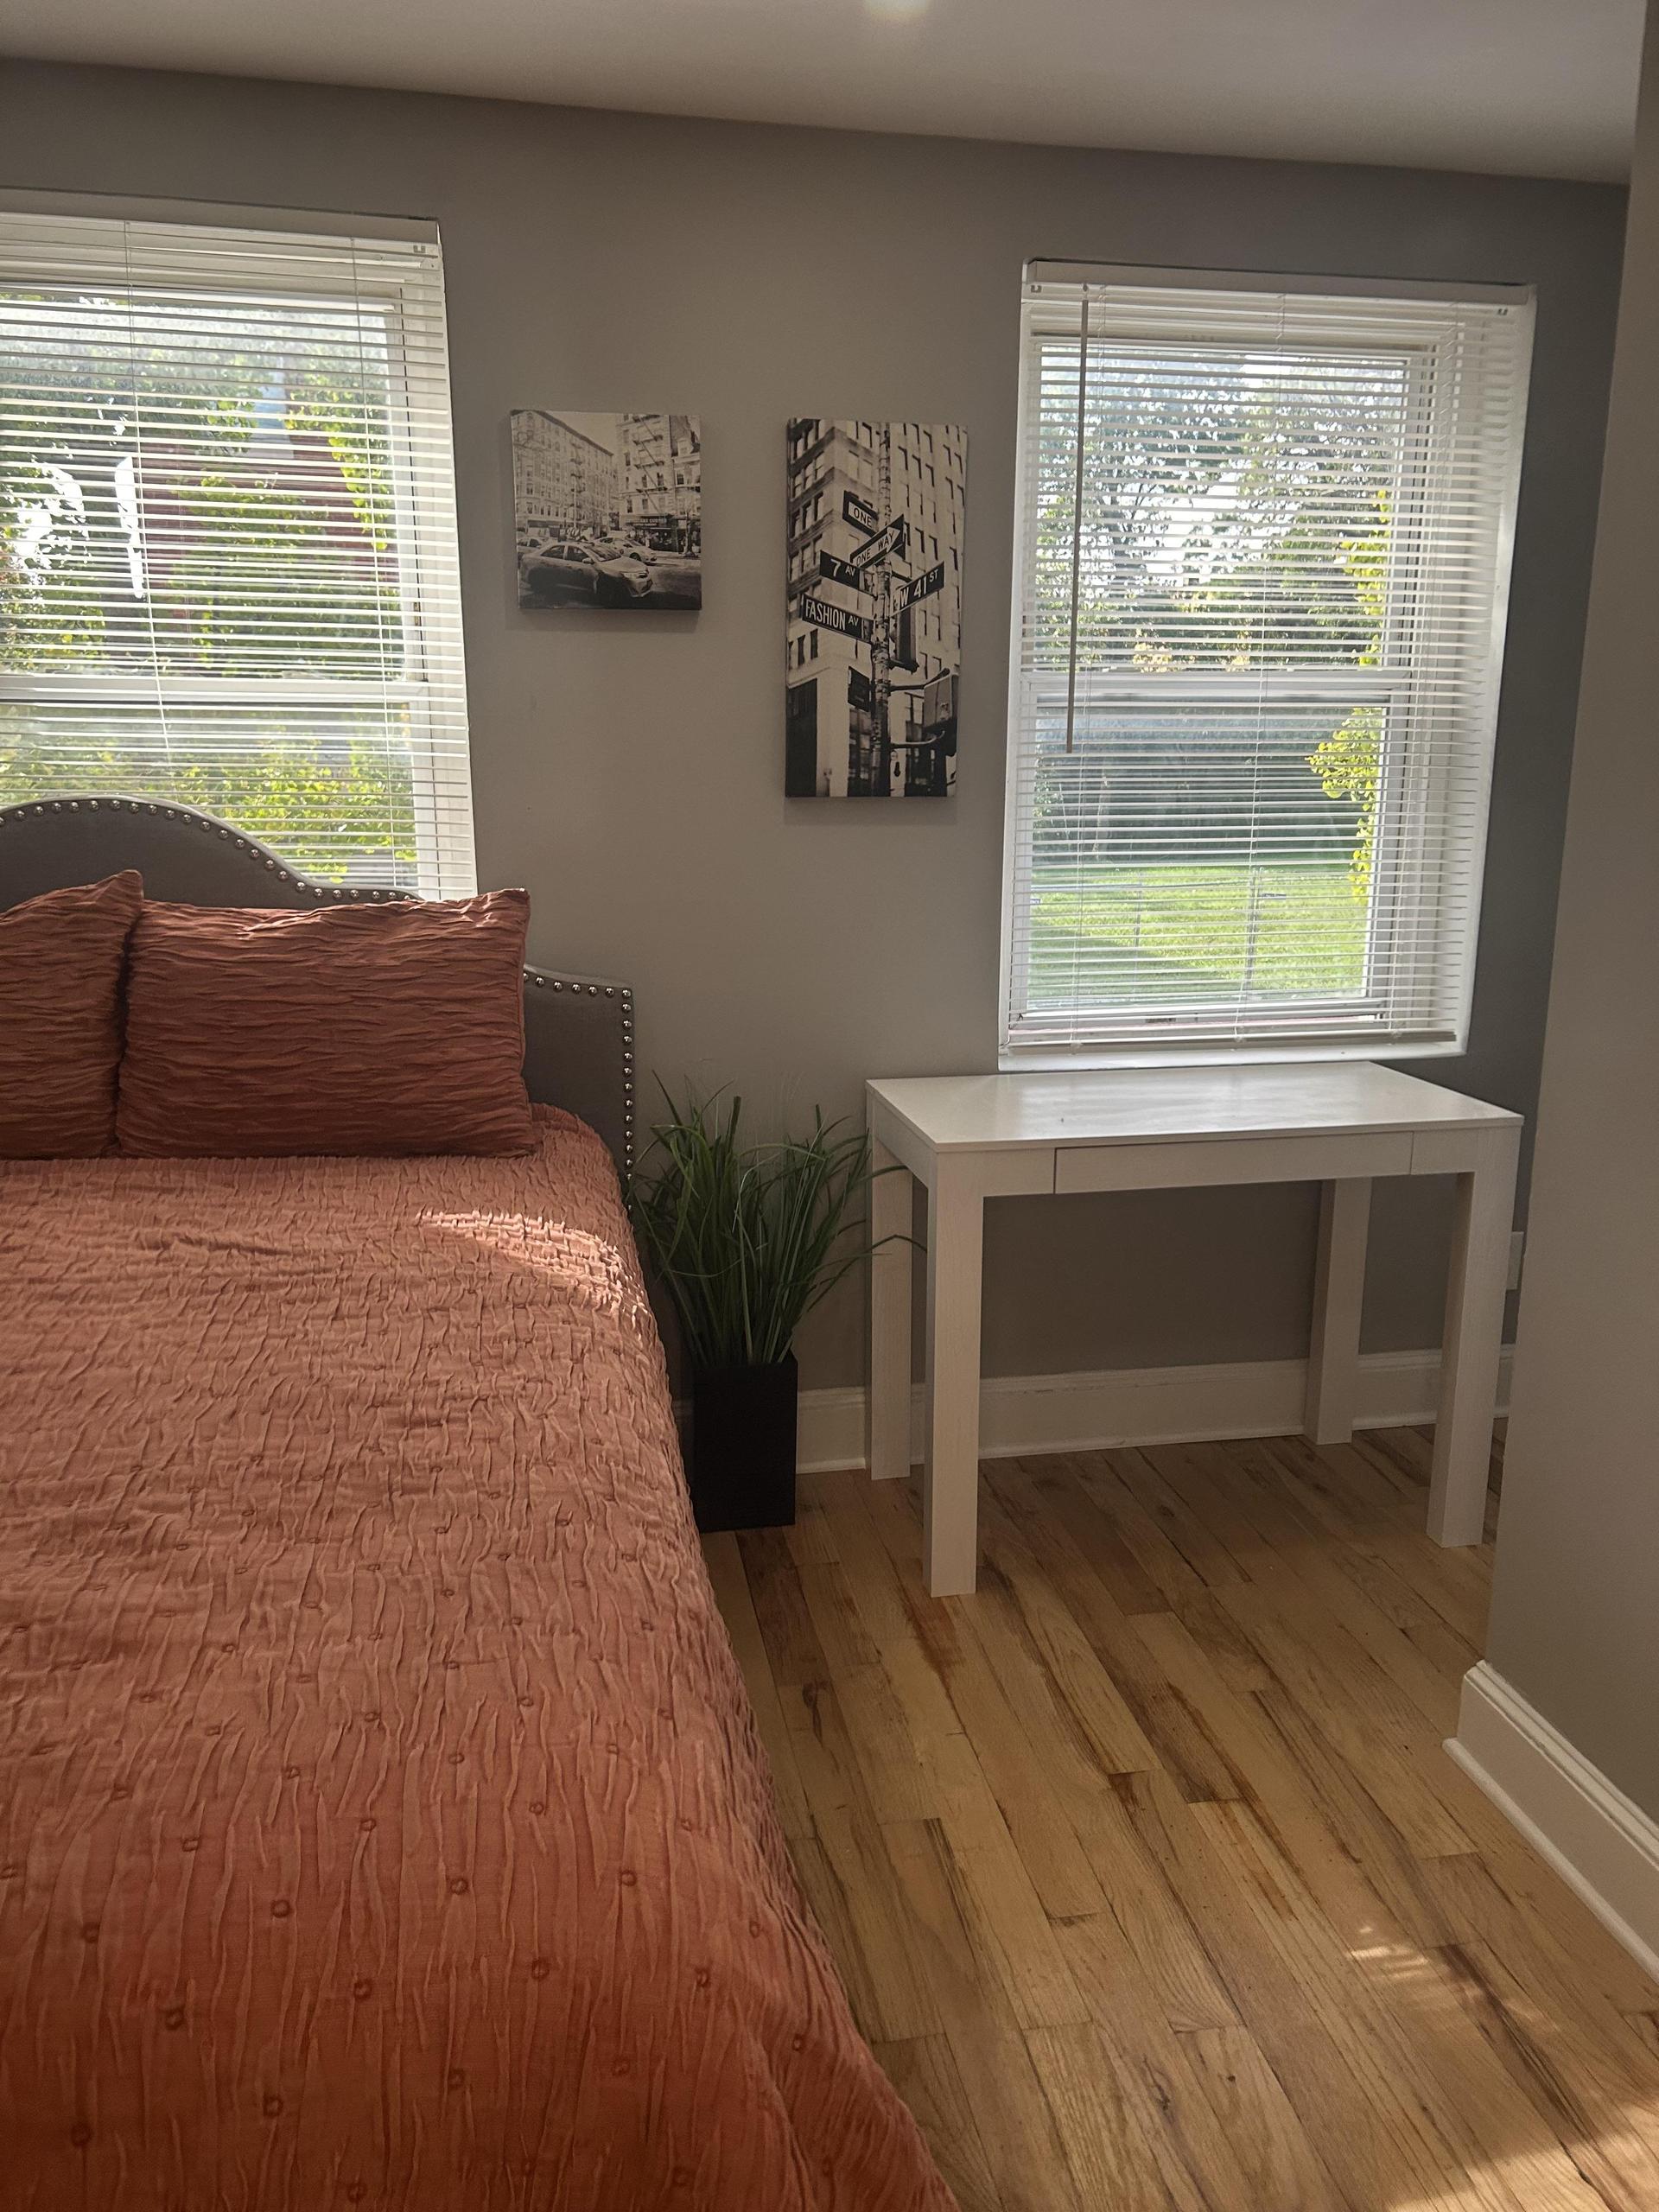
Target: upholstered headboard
{"x":578,"y":1030}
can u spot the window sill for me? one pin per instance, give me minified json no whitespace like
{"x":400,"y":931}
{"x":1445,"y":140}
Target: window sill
{"x":1045,"y":1058}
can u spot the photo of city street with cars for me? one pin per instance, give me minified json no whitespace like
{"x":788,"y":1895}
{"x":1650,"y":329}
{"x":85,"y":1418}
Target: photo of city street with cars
{"x":607,"y":510}
{"x":872,"y":637}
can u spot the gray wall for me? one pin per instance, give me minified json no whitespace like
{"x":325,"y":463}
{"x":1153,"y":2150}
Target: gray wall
{"x":1576,"y":1619}
{"x":629,"y":771}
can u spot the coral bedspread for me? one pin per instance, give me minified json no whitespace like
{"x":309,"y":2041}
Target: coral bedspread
{"x":382,"y":1819}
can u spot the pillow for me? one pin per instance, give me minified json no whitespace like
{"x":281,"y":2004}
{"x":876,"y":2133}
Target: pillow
{"x":60,"y":958}
{"x":337,"y":1029}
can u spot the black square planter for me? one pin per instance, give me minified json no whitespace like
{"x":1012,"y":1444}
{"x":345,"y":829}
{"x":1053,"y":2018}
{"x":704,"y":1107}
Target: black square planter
{"x":742,"y":1461}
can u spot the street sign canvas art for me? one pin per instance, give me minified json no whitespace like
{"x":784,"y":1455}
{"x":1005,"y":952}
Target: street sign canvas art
{"x":608,"y":509}
{"x":873,"y":628}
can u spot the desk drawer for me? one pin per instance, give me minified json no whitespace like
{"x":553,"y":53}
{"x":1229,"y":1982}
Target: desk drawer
{"x":1230,"y":1159}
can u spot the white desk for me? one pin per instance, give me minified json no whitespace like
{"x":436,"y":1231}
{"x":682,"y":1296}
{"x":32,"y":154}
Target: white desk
{"x":970,"y":1138}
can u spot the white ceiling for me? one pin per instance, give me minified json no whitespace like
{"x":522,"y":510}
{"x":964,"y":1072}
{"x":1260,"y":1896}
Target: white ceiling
{"x":1540,"y":87}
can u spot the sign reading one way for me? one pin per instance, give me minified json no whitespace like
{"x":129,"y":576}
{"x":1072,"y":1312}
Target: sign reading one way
{"x":859,"y":511}
{"x":890,"y":540}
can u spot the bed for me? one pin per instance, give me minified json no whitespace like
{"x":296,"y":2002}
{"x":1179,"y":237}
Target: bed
{"x":382,"y":1818}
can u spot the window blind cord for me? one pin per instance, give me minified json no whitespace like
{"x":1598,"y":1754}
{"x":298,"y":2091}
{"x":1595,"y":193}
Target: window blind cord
{"x":379,"y":530}
{"x":1077,"y":526}
{"x":1273,"y":599}
{"x":141,"y":550}
{"x":1076,"y":587}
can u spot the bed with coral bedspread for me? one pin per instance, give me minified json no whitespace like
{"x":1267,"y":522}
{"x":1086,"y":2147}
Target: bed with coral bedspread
{"x":382,"y":1819}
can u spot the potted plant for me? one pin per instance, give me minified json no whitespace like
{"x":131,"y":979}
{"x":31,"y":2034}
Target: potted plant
{"x":746,"y":1238}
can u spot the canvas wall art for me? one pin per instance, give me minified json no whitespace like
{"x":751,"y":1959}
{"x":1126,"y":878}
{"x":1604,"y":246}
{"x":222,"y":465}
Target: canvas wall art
{"x":608,"y":509}
{"x":873,"y":623}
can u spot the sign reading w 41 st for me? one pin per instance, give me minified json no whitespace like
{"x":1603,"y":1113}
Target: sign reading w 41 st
{"x":923,"y":587}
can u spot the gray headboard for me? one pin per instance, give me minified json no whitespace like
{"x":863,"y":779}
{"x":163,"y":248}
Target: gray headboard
{"x":578,"y":1030}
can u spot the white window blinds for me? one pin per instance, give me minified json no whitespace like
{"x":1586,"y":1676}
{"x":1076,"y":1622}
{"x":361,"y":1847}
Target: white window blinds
{"x":1263,"y":545}
{"x":227,"y":539}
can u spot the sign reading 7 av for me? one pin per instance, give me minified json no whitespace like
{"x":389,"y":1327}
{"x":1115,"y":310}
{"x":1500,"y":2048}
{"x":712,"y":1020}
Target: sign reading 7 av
{"x":836,"y":571}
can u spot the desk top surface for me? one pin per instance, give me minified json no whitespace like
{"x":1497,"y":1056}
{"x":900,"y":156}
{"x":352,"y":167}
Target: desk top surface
{"x":979,"y":1113}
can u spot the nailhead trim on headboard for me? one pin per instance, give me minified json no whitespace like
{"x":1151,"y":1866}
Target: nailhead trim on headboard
{"x":260,"y":857}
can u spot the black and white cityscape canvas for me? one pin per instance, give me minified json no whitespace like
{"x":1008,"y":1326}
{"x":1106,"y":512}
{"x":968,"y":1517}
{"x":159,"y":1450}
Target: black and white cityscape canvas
{"x":608,"y":509}
{"x":874,"y":631}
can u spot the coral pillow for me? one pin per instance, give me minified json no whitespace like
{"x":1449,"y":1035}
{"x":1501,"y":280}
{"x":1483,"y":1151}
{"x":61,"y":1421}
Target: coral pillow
{"x":60,"y":958}
{"x":337,"y":1029}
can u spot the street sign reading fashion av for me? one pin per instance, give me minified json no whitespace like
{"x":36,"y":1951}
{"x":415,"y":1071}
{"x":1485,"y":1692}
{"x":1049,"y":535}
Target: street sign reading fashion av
{"x":820,"y":612}
{"x":837,"y":571}
{"x":922,"y":587}
{"x":859,"y":511}
{"x":890,"y":540}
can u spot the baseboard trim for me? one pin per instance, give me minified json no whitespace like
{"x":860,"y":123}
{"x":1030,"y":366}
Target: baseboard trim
{"x":1602,"y":1845}
{"x":1136,"y":1405}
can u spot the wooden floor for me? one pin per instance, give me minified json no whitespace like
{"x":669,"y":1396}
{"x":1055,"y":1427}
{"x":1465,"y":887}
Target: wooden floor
{"x":1151,"y":1883}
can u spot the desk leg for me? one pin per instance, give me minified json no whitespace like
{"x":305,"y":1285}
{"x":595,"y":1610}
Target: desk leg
{"x":1339,"y":1294}
{"x":956,"y":1216}
{"x":1473,"y":1344}
{"x":887,"y":1439}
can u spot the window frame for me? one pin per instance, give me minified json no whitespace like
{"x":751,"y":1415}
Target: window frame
{"x":432,"y":688}
{"x":1341,"y":1034}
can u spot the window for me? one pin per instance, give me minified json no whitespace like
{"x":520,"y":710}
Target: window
{"x":1262,"y":561}
{"x":228,"y":539}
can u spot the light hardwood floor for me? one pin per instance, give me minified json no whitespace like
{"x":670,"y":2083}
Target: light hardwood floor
{"x":1150,"y":1881}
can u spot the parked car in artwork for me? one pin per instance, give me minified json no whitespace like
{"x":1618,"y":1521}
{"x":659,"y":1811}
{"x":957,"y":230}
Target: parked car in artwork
{"x":567,"y":569}
{"x":607,"y":510}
